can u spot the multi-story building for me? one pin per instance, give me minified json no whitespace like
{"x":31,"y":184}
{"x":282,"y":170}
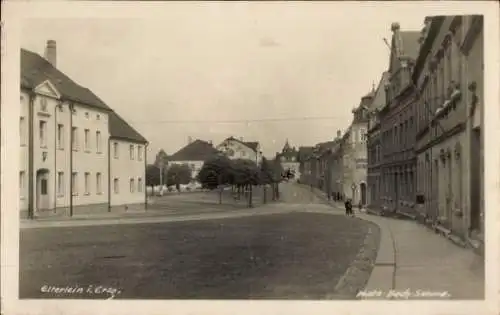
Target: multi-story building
{"x":354,"y":153}
{"x":239,"y":149}
{"x":289,"y":159}
{"x":127,"y":165}
{"x":194,"y":154}
{"x":374,"y":145}
{"x":336,"y":168}
{"x":304,"y":164}
{"x":449,"y":78}
{"x":398,"y":165}
{"x":65,"y":131}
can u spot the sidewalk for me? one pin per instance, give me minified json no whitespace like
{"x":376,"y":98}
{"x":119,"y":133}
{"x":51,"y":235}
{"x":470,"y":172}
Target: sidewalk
{"x":411,"y":257}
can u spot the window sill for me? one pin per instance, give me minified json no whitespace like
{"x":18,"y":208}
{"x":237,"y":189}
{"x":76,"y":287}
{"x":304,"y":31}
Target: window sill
{"x":86,"y":194}
{"x":99,"y":193}
{"x":75,"y":194}
{"x":21,"y":198}
{"x":75,"y":150}
{"x":87,"y":151}
{"x":43,"y":146}
{"x":98,"y":152}
{"x":60,"y":149}
{"x":23,"y":145}
{"x":60,"y":196}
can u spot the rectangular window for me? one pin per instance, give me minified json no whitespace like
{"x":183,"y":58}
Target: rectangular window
{"x":87,"y":183}
{"x":22,"y":131}
{"x":139,"y":184}
{"x":132,"y":185}
{"x":115,"y":150}
{"x":74,"y":183}
{"x":116,"y":186}
{"x":98,"y":187}
{"x":86,"y":140}
{"x":74,"y":138}
{"x":98,"y":141}
{"x":60,"y":136}
{"x":139,"y":153}
{"x":60,"y":184}
{"x":21,"y":184}
{"x":131,"y":151}
{"x":43,"y":186}
{"x":43,"y":133}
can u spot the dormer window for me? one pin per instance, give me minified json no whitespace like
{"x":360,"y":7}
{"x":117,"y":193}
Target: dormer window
{"x":87,"y":115}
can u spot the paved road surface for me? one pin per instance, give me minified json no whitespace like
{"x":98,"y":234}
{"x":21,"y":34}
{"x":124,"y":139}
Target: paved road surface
{"x":289,"y":255}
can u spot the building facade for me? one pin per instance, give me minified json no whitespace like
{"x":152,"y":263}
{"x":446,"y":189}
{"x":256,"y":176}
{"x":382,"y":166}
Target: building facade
{"x":64,"y":132}
{"x":289,"y":160}
{"x":449,"y":78}
{"x":398,"y":162}
{"x":374,"y":144}
{"x":127,"y":177}
{"x":240,"y":149}
{"x":194,"y":154}
{"x":354,"y":153}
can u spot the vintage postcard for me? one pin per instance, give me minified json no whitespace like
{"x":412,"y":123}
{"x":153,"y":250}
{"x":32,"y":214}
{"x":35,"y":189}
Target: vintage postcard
{"x":262,"y":157}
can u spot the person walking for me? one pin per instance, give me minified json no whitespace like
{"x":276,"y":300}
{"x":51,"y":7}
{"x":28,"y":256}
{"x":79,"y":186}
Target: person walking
{"x":348,"y":207}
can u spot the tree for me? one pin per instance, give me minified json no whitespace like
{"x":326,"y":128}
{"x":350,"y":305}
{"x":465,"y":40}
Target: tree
{"x":216,"y":172}
{"x":277,"y":175}
{"x":179,"y":174}
{"x":266,"y":175}
{"x":245,"y":174}
{"x":152,"y":175}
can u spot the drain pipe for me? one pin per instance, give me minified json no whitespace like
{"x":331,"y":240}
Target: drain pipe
{"x":31,"y":206}
{"x":144,"y":182}
{"x":109,"y":174}
{"x":71,"y":109}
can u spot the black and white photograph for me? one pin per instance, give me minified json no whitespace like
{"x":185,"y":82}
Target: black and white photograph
{"x":281,"y":151}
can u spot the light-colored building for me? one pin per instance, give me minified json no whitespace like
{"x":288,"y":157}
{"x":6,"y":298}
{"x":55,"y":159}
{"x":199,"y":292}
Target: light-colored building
{"x":289,"y":159}
{"x":194,"y":154}
{"x":449,"y":78}
{"x":374,"y":144}
{"x":64,"y":151}
{"x":127,"y":180}
{"x":240,"y":149}
{"x":354,"y":153}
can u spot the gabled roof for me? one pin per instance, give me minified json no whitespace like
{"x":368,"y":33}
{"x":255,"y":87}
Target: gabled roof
{"x":410,"y":44}
{"x":35,"y":70}
{"x":197,"y":150}
{"x":379,"y":98}
{"x":120,"y":129}
{"x":254,"y":145}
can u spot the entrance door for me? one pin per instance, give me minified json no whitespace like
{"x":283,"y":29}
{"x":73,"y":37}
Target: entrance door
{"x":362,"y":188}
{"x":42,"y":190}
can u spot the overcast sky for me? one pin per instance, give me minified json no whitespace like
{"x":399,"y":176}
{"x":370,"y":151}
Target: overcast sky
{"x":230,"y":62}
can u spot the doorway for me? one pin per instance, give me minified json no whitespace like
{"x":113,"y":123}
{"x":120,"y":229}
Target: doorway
{"x":475,"y":180}
{"x":362,"y":189}
{"x":42,"y":189}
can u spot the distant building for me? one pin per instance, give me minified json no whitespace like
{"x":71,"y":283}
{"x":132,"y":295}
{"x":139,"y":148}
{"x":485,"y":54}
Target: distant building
{"x":354,"y":153}
{"x":194,"y":154}
{"x":289,"y":159}
{"x":239,"y":149}
{"x":66,"y":163}
{"x":303,"y":156}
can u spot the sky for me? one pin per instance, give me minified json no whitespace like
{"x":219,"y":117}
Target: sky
{"x":257,"y":71}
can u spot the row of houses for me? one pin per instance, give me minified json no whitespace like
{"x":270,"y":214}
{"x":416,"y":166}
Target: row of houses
{"x":197,"y":151}
{"x":77,"y":155}
{"x":415,"y":144}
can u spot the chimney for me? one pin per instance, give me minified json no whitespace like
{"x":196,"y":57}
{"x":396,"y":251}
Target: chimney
{"x":190,"y":140}
{"x":210,"y":142}
{"x":339,"y":133}
{"x":51,"y":52}
{"x":241,"y":139}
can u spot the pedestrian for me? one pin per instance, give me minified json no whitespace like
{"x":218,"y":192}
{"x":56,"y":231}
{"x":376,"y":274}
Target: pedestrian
{"x":348,"y":207}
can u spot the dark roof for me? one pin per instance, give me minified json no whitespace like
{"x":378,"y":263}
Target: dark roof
{"x":304,"y":153}
{"x":251,"y":144}
{"x":35,"y":70}
{"x":197,"y":150}
{"x":410,"y":44}
{"x":379,"y":98}
{"x":120,"y":129}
